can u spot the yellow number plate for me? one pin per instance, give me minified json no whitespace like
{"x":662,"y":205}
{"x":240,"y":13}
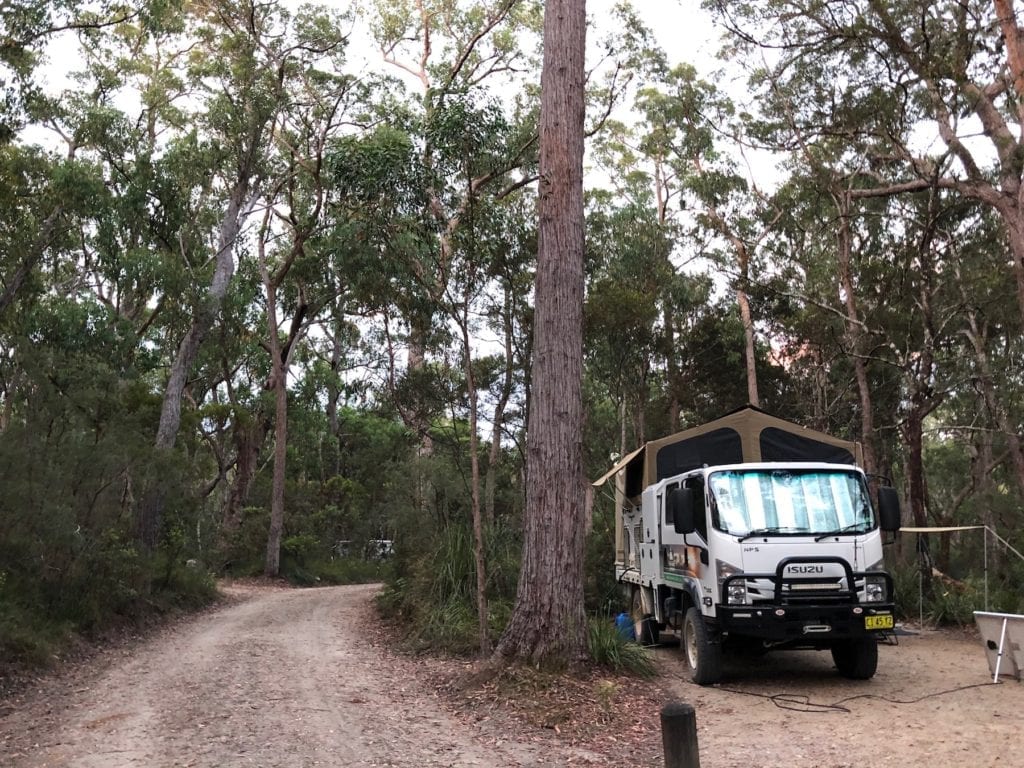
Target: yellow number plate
{"x":878,"y":622}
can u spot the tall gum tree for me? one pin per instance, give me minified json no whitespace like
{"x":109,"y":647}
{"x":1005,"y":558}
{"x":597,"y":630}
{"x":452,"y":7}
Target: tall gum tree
{"x":458,"y":55}
{"x":321,"y":98}
{"x":684,"y":120}
{"x":548,"y":622}
{"x":238,"y":67}
{"x":454,"y":52}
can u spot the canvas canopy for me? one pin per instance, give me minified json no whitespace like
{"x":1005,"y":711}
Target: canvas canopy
{"x":746,"y":435}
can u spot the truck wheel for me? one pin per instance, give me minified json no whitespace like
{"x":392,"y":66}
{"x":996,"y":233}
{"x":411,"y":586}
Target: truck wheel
{"x":645,"y":627}
{"x":856,"y":659}
{"x":703,"y":656}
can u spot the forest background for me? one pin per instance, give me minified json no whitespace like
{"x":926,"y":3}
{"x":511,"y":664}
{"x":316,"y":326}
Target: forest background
{"x":264,"y":307}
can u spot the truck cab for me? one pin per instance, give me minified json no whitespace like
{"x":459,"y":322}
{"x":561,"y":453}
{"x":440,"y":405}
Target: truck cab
{"x":760,"y":555}
{"x":793,"y":560}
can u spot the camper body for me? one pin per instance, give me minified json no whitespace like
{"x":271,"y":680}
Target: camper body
{"x":754,"y":533}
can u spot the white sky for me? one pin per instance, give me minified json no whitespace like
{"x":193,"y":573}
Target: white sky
{"x":681,"y":27}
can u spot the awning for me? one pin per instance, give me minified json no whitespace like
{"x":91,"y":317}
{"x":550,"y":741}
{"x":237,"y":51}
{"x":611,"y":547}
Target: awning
{"x":947,"y":529}
{"x":617,"y":468}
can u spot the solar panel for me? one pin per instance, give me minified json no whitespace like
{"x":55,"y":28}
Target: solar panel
{"x":1003,"y":635}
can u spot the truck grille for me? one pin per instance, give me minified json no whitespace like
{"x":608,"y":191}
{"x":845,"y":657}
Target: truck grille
{"x":817,"y":591}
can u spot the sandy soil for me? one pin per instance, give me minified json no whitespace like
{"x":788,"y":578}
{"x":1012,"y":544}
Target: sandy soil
{"x":932,"y":703}
{"x":279,"y":677}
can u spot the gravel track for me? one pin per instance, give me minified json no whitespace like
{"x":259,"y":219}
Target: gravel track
{"x":287,"y":677}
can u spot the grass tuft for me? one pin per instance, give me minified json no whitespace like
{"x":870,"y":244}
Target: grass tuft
{"x":611,"y":650}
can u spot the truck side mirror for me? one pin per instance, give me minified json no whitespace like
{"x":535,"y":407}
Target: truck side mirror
{"x":888,"y":509}
{"x":681,"y":503}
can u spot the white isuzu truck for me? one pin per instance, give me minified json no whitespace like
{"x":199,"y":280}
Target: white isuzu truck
{"x":751,"y":532}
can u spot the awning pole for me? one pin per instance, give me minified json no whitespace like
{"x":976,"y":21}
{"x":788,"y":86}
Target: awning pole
{"x":920,"y":590}
{"x":985,"y":535}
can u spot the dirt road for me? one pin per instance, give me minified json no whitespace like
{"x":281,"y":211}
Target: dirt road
{"x":280,"y":677}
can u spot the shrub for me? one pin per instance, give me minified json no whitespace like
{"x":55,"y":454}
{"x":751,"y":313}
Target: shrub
{"x":610,"y":649}
{"x":954,"y":603}
{"x":27,"y":635}
{"x":352,"y":570}
{"x":432,"y":591}
{"x":943,"y":602}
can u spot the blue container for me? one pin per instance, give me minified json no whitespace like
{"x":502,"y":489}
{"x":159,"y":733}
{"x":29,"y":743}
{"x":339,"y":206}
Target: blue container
{"x":624,"y":625}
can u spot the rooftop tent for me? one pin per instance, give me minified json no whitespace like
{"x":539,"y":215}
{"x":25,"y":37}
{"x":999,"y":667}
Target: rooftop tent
{"x":745,"y":435}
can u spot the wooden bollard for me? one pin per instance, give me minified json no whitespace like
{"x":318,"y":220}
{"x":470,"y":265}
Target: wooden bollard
{"x":679,"y":735}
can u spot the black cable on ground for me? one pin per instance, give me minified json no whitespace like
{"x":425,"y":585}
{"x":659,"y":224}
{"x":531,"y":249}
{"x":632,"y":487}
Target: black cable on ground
{"x":802,"y":703}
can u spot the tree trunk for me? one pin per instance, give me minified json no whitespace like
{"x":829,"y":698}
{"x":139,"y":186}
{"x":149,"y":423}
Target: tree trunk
{"x":672,"y":368}
{"x":150,"y":511}
{"x":272,"y":566}
{"x":913,"y":438}
{"x":640,"y":419}
{"x":548,"y":623}
{"x":855,"y":336}
{"x":333,"y":390}
{"x":923,"y":399}
{"x":248,"y":440}
{"x":494,"y":455}
{"x":170,"y":413}
{"x":474,"y":463}
{"x":750,"y":343}
{"x":279,"y":382}
{"x":996,"y":410}
{"x":661,"y":185}
{"x":622,"y":427}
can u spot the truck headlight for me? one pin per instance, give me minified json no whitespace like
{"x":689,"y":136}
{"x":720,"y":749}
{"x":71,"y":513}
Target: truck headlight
{"x":874,"y":590}
{"x":736,"y":594}
{"x":875,"y":586}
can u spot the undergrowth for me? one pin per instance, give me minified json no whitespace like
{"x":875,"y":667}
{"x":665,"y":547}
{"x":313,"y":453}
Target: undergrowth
{"x":39,"y":620}
{"x":608,"y":648}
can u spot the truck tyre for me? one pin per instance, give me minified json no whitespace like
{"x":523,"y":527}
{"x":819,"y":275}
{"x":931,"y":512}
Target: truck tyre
{"x":856,"y":659}
{"x":645,"y":626}
{"x":703,"y":655}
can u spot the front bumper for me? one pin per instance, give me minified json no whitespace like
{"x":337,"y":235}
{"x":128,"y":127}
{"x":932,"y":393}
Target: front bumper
{"x":812,"y":624}
{"x":798,"y":613}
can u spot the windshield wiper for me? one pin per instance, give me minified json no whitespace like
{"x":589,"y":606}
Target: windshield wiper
{"x":851,"y":528}
{"x":761,"y":532}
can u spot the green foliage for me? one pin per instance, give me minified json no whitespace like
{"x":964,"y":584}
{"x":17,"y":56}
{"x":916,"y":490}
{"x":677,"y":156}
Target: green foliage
{"x":108,"y":583}
{"x":433,"y":595}
{"x":26,"y":636}
{"x":954,"y":603}
{"x":353,"y":570}
{"x":242,"y":551}
{"x":906,"y":583}
{"x":943,"y":601}
{"x":414,"y":213}
{"x":603,"y":594}
{"x":306,"y":561}
{"x":608,"y":648}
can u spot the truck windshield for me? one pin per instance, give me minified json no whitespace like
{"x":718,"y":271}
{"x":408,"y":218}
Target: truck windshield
{"x":790,"y":502}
